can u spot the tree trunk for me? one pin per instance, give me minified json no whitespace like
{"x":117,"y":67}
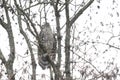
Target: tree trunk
{"x":67,"y":42}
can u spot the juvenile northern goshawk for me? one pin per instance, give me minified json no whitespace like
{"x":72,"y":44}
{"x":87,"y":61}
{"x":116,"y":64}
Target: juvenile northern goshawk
{"x":46,"y":43}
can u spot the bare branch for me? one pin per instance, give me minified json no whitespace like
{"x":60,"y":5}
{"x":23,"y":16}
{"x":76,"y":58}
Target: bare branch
{"x":28,"y":27}
{"x":22,"y":11}
{"x":7,"y":26}
{"x":4,"y":25}
{"x":2,"y":57}
{"x":36,"y":5}
{"x":55,"y":69}
{"x":67,"y":42}
{"x":80,"y":12}
{"x":88,"y":62}
{"x":29,"y":46}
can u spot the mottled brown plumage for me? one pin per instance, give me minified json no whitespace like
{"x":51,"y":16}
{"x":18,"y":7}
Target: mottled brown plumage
{"x":46,"y":37}
{"x":47,"y":41}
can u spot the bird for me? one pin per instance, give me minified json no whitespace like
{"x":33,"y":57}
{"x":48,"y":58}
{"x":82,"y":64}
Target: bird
{"x":46,"y":45}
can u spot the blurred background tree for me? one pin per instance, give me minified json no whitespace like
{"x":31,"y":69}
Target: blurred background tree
{"x":87,"y":37}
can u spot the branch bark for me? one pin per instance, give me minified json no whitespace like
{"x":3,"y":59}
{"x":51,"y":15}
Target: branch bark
{"x":80,"y":12}
{"x":2,"y":57}
{"x":28,"y":18}
{"x":7,"y":26}
{"x":55,"y":69}
{"x":29,"y":45}
{"x":57,"y":15}
{"x":67,"y":41}
{"x":68,"y":37}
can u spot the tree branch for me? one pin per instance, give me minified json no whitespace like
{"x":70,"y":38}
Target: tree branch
{"x":22,"y":11}
{"x":7,"y":26}
{"x":67,"y":42}
{"x":2,"y":57}
{"x":4,"y":25}
{"x":55,"y":68}
{"x":29,"y":46}
{"x":80,"y":12}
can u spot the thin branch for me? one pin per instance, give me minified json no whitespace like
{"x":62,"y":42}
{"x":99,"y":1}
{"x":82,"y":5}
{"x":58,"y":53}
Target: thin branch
{"x":32,"y":55}
{"x":29,"y":46}
{"x":57,"y":14}
{"x":80,"y":12}
{"x":32,"y":24}
{"x":108,"y":45}
{"x":88,"y":62}
{"x":28,"y":27}
{"x":54,"y":66}
{"x":2,"y":57}
{"x":36,"y":5}
{"x":4,"y":25}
